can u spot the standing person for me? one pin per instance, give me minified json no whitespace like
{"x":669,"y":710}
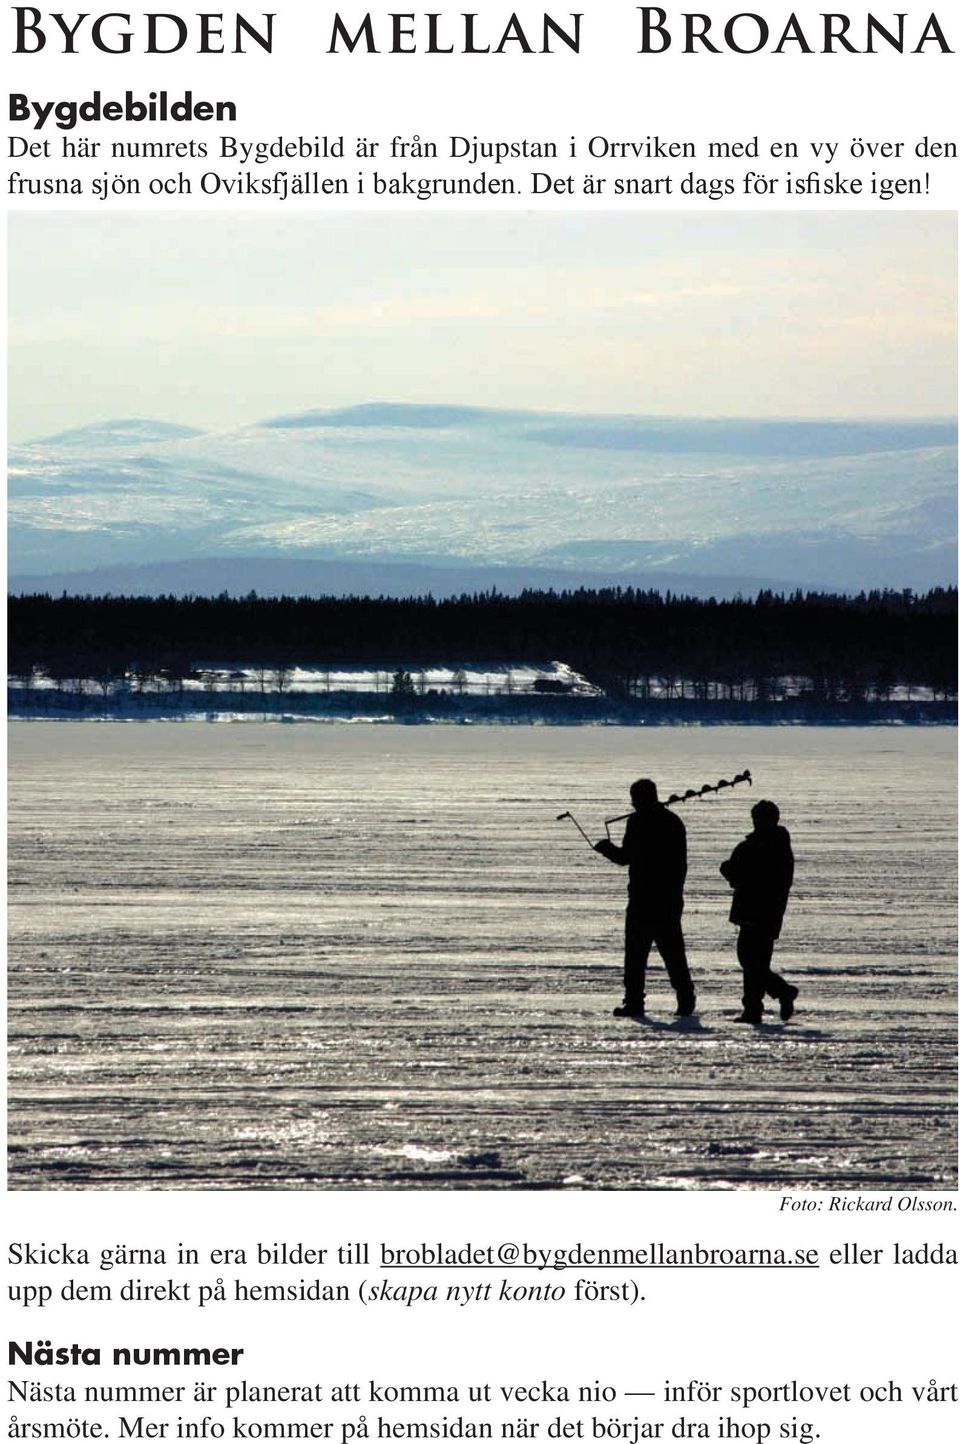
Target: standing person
{"x":655,"y":849}
{"x":760,"y":871}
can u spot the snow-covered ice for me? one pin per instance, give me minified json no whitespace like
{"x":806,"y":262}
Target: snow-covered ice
{"x":342,"y":957}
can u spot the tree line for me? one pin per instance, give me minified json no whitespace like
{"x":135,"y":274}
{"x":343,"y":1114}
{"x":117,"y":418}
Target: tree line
{"x":629,"y":642}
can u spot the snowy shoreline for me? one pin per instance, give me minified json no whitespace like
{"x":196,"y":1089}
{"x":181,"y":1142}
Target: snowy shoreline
{"x":388,"y":721}
{"x":373,"y":709}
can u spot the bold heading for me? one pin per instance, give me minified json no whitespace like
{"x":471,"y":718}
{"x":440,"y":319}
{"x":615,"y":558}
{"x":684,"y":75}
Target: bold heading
{"x":152,"y":32}
{"x":47,"y":1354}
{"x":742,"y":32}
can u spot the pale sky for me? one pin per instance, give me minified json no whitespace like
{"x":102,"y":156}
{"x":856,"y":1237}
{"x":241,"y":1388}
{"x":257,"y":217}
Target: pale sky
{"x":218,"y":320}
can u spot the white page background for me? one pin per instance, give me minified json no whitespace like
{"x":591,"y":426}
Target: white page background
{"x":862,"y":1324}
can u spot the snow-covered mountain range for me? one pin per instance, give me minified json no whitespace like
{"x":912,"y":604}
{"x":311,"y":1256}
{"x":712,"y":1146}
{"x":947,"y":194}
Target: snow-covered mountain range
{"x":405,"y":498}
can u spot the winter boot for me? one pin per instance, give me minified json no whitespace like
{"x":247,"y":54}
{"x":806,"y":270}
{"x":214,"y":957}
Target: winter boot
{"x":787,"y":1002}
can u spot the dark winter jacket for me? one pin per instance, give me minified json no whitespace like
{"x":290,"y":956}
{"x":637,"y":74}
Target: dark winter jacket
{"x":655,"y":849}
{"x":760,"y":871}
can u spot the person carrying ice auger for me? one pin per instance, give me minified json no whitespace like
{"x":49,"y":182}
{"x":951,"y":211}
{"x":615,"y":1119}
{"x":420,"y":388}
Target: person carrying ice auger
{"x":760,"y":871}
{"x":655,"y":850}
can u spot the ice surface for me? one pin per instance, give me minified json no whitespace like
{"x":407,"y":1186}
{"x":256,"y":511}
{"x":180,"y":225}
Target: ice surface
{"x":341,"y":957}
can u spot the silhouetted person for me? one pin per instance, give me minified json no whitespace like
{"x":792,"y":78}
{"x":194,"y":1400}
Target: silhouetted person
{"x":655,"y":849}
{"x":760,"y":871}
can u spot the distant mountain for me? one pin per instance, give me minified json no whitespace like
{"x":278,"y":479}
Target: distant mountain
{"x":274,"y":577}
{"x":794,"y":439}
{"x":122,"y":433}
{"x":721,"y":504}
{"x":393,"y":413}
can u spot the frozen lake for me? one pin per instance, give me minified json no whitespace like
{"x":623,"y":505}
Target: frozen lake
{"x":316,"y":956}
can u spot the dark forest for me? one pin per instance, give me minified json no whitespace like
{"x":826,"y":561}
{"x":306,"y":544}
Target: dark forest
{"x":630,"y":644}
